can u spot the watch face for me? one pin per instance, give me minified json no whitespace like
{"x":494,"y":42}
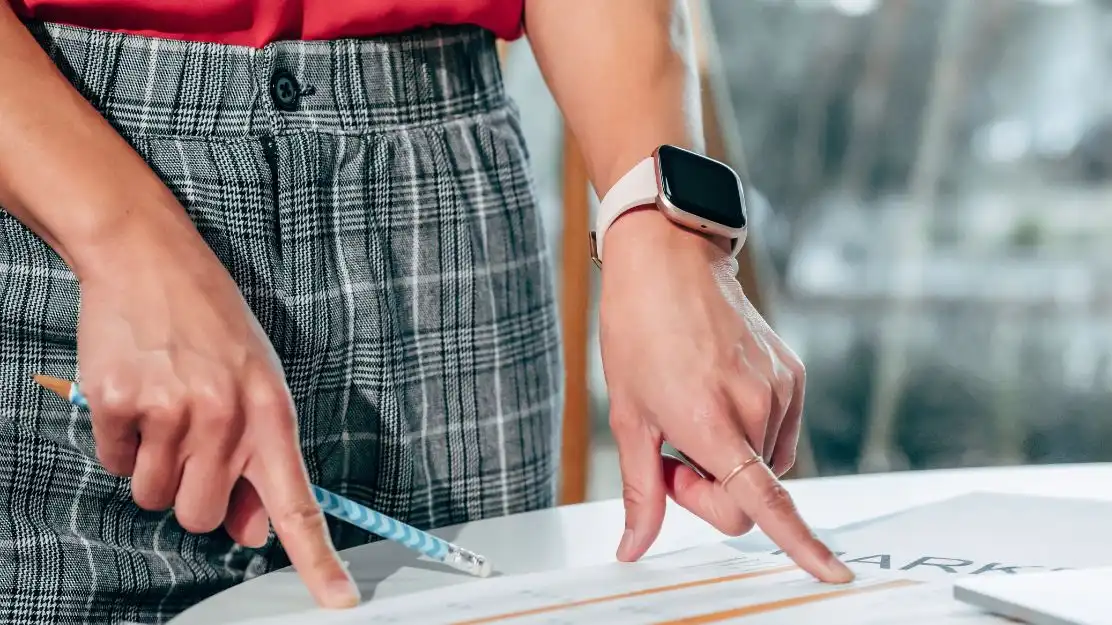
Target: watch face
{"x":701,"y":186}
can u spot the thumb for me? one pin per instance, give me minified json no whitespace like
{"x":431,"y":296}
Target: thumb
{"x":643,"y":491}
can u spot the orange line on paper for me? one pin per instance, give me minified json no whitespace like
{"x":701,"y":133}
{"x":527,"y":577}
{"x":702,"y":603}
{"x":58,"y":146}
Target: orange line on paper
{"x":625,"y":595}
{"x":761,"y":608}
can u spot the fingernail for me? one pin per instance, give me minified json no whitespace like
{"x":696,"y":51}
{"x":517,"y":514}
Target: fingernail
{"x":625,"y":545}
{"x":840,"y":573}
{"x":343,"y":594}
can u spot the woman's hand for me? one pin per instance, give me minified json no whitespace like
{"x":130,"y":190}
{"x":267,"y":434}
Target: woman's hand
{"x":188,"y":398}
{"x":186,"y":393}
{"x":689,"y":360}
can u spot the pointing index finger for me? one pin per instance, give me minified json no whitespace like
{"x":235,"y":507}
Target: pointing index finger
{"x":769,"y":504}
{"x":283,"y":486}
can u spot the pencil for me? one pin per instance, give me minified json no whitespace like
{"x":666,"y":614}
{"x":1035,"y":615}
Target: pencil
{"x":342,"y":508}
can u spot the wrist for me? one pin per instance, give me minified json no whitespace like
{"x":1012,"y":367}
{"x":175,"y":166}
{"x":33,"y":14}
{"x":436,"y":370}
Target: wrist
{"x":122,"y":234}
{"x":698,"y":197}
{"x":647,"y":227}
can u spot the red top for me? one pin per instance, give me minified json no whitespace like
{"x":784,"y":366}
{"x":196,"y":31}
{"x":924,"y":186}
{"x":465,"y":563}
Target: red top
{"x":258,"y":22}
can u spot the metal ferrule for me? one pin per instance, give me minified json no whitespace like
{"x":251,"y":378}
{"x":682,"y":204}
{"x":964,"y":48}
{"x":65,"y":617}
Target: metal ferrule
{"x":467,"y":561}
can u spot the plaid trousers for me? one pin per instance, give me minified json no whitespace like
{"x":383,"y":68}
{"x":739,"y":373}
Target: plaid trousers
{"x":372,"y":200}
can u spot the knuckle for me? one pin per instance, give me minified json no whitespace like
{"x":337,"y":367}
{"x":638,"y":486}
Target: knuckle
{"x":725,"y":515}
{"x":268,"y":397}
{"x":783,"y":463}
{"x":632,"y":494}
{"x":195,"y":521}
{"x":776,"y":498}
{"x":169,"y":416}
{"x":799,"y":371}
{"x":163,"y":404}
{"x":623,"y":421}
{"x":110,"y":465}
{"x":111,"y":395}
{"x":734,"y":359}
{"x":755,"y":398}
{"x":150,"y":499}
{"x":736,"y":525}
{"x":115,"y":463}
{"x":785,"y":386}
{"x":301,"y":519}
{"x":214,"y":411}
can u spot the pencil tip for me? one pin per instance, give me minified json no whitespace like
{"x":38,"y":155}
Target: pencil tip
{"x":56,"y":385}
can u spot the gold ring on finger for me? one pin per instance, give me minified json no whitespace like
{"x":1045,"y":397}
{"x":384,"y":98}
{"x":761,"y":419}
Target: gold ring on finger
{"x":739,"y":468}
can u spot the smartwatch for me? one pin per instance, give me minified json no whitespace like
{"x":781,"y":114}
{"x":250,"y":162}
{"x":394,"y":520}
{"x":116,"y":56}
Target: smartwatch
{"x":692,"y":190}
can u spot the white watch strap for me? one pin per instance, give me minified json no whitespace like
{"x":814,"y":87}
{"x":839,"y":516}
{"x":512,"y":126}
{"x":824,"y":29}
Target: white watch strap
{"x":636,"y":188}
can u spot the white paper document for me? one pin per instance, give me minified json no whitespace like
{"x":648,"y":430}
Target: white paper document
{"x":713,"y":584}
{"x":906,"y":563}
{"x":976,"y":534}
{"x":1078,"y":597}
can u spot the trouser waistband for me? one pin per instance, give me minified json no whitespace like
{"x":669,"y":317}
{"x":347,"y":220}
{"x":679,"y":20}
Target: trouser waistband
{"x":152,"y":86}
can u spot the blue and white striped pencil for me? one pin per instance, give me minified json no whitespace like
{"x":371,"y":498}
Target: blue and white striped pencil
{"x":343,"y":508}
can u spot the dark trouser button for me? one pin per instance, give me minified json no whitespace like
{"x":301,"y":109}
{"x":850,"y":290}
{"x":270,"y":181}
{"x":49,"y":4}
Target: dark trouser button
{"x":284,"y":90}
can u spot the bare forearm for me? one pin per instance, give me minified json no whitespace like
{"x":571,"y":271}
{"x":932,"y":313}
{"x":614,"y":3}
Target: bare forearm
{"x":623,"y":73}
{"x":64,"y":171}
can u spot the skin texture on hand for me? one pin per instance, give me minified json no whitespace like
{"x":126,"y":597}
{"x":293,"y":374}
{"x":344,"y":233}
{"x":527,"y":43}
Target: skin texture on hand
{"x":686,"y":356}
{"x":688,"y":360}
{"x":186,"y":394}
{"x":188,"y":398}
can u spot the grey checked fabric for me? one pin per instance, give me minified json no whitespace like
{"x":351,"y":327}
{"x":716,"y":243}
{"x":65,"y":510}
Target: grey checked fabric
{"x":384,"y":231}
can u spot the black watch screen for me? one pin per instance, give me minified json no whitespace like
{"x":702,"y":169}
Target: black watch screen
{"x":701,"y":186}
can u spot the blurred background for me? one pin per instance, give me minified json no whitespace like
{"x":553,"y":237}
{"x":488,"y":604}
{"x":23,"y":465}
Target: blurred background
{"x":931,"y":224}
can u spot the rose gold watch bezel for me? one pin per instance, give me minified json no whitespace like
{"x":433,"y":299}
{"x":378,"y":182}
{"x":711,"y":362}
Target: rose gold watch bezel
{"x":679,"y":216}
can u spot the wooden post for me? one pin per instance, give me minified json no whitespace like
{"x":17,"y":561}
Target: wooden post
{"x":575,"y":311}
{"x":575,"y":304}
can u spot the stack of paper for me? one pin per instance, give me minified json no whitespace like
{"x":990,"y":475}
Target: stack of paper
{"x":1078,"y":597}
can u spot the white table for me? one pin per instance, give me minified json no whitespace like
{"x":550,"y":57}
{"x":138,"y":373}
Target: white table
{"x":588,"y":533}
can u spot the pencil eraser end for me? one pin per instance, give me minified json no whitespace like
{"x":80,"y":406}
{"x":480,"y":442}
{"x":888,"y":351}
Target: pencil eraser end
{"x":485,"y":569}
